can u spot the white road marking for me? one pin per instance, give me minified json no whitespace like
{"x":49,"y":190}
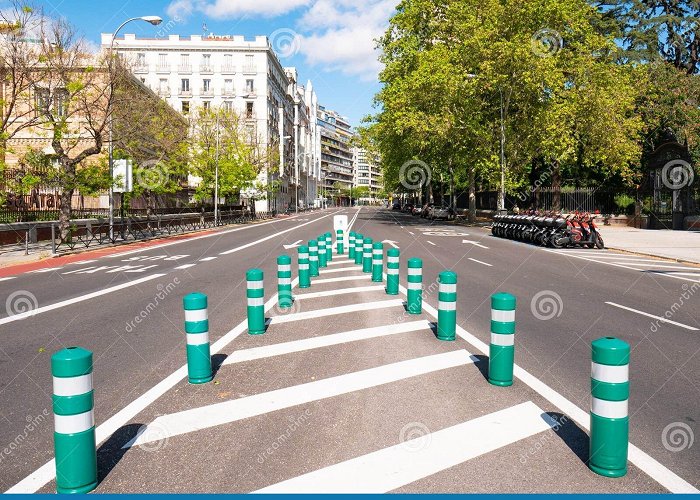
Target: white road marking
{"x":391,"y":243}
{"x":475,"y":244}
{"x":654,"y":469}
{"x":45,"y":270}
{"x":207,"y":259}
{"x":226,"y":412}
{"x":432,"y":243}
{"x":390,"y":468}
{"x":337,"y":262}
{"x":660,"y":318}
{"x":275,"y":235}
{"x":76,"y":300}
{"x":8,"y":278}
{"x":664,"y":266}
{"x":331,"y":311}
{"x":83,"y":262}
{"x":47,"y":472}
{"x":185,"y":266}
{"x":324,"y":341}
{"x":480,"y":262}
{"x":293,"y":245}
{"x":340,"y":269}
{"x":412,"y":234}
{"x":338,"y":291}
{"x":316,"y":281}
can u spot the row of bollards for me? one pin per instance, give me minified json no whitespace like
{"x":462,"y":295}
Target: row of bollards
{"x":73,"y":401}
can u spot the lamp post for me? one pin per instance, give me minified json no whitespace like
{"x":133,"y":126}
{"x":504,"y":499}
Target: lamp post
{"x":155,"y":21}
{"x":296,"y":161}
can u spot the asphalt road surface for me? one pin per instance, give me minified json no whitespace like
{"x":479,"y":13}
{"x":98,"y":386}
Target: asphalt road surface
{"x":358,"y":399}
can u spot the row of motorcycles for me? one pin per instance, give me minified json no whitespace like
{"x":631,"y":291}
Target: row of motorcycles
{"x":551,"y":229}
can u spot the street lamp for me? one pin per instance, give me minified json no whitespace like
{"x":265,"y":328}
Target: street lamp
{"x":155,"y":21}
{"x":304,"y":154}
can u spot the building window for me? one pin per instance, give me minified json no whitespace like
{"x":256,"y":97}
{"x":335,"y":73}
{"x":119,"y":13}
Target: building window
{"x":184,"y":60}
{"x":206,"y":85}
{"x":206,"y":61}
{"x":228,"y":106}
{"x":185,"y":85}
{"x":228,"y":86}
{"x":249,"y":109}
{"x":163,"y":60}
{"x":163,"y":85}
{"x":60,"y":103}
{"x":42,"y":97}
{"x":206,"y":105}
{"x":140,"y":59}
{"x":185,"y":107}
{"x":249,"y":86}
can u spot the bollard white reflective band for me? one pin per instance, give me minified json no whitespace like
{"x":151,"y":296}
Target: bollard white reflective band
{"x":376,"y":260}
{"x":392,"y":260}
{"x":322,"y":250}
{"x":504,"y":339}
{"x":72,"y":386}
{"x":392,"y":271}
{"x":609,"y":409}
{"x":415,"y":271}
{"x":610,"y":374}
{"x":414,"y":286}
{"x":284,"y":268}
{"x":313,"y":258}
{"x":447,"y":306}
{"x":377,"y":252}
{"x":196,"y":315}
{"x":367,"y":246}
{"x":284,"y":281}
{"x":255,"y":285}
{"x":197,"y":338}
{"x":256,"y":301}
{"x":303,"y":267}
{"x":503,"y":316}
{"x":448,"y":287}
{"x":70,"y":424}
{"x":303,"y":256}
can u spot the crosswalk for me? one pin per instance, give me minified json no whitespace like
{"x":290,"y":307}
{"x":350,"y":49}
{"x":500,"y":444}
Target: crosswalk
{"x":676,"y":270}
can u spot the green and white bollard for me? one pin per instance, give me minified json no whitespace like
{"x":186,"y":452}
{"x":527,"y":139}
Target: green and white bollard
{"x":74,"y":421}
{"x":367,"y":255}
{"x":414,"y":290}
{"x":322,"y":252}
{"x":447,"y":305}
{"x":197,"y":331}
{"x":284,"y":282}
{"x":351,"y":246}
{"x":378,"y":262}
{"x":359,"y":248}
{"x":304,"y":278}
{"x":256,"y":301}
{"x":392,"y":271}
{"x":313,"y":258}
{"x":329,"y":246}
{"x":610,"y":391}
{"x":340,"y":241}
{"x":502,"y":346}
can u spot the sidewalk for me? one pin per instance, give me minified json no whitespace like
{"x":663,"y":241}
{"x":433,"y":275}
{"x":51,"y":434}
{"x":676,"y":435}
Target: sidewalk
{"x":683,"y":246}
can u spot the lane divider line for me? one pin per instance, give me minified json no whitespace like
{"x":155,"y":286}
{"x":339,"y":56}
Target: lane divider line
{"x":226,"y":412}
{"x":404,"y":463}
{"x":324,"y":341}
{"x":659,"y":318}
{"x":480,"y":262}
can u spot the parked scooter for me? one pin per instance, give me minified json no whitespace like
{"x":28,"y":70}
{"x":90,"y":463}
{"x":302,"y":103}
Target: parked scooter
{"x":580,"y":231}
{"x":548,"y":229}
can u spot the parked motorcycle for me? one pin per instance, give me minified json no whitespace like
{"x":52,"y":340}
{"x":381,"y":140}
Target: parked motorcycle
{"x":549,"y":229}
{"x":580,"y":231}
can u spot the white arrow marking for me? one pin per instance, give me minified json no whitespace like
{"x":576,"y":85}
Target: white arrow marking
{"x":293,"y":245}
{"x":475,"y":243}
{"x":392,"y":243}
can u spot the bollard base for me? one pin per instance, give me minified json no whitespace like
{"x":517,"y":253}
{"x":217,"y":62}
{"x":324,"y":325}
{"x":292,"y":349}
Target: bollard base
{"x":256,"y":332}
{"x":82,"y":490}
{"x":446,"y":339}
{"x":204,"y":380}
{"x":501,"y":383}
{"x":608,"y":472}
{"x":304,"y":286}
{"x":392,"y":292}
{"x":377,"y":280}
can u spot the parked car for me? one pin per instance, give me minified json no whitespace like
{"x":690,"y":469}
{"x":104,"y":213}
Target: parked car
{"x":441,"y":212}
{"x":396,"y":206}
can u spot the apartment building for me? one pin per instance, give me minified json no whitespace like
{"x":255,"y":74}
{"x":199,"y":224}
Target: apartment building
{"x":368,"y":173}
{"x":337,"y":160}
{"x":238,"y":74}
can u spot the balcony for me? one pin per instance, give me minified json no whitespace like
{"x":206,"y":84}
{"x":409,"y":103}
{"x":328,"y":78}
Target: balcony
{"x":163,"y":68}
{"x":184,"y":68}
{"x":206,"y":92}
{"x":141,"y":68}
{"x":250,"y":69}
{"x":228,"y":93}
{"x":206,"y":69}
{"x":228,"y":69}
{"x":250,"y":92}
{"x":163,"y":92}
{"x":184,"y":93}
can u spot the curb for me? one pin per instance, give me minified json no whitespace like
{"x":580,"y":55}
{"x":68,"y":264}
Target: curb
{"x":643,"y":254}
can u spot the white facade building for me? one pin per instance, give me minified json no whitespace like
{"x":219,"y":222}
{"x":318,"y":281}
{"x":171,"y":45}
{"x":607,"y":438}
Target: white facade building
{"x":368,"y":173}
{"x":245,"y":75}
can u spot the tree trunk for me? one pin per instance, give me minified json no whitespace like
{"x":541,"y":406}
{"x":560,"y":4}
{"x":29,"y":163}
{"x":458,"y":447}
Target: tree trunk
{"x":64,"y":214}
{"x":472,"y":194}
{"x":556,"y":186}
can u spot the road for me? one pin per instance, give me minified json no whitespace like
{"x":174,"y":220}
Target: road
{"x":131,"y":318}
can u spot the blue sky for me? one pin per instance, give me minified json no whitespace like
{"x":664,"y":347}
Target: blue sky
{"x":328,"y":41}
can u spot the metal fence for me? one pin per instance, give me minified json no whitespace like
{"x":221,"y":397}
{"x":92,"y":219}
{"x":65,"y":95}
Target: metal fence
{"x":582,"y":199}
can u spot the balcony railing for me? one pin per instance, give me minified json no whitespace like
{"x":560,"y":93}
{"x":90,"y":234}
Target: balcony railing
{"x":228,"y":69}
{"x":163,"y":68}
{"x":184,"y":93}
{"x":141,"y":68}
{"x":228,"y":93}
{"x":163,"y":92}
{"x":250,"y":68}
{"x":206,"y":92}
{"x":184,"y":68}
{"x":206,"y":69}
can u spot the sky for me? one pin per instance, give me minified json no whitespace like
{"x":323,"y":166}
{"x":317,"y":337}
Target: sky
{"x":330,"y":42}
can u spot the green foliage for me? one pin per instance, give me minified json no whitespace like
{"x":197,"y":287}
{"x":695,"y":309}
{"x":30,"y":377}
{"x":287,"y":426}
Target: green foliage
{"x":624,"y":202}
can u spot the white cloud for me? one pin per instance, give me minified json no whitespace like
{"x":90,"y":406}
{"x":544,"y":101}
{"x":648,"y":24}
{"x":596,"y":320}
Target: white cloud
{"x":335,"y":35}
